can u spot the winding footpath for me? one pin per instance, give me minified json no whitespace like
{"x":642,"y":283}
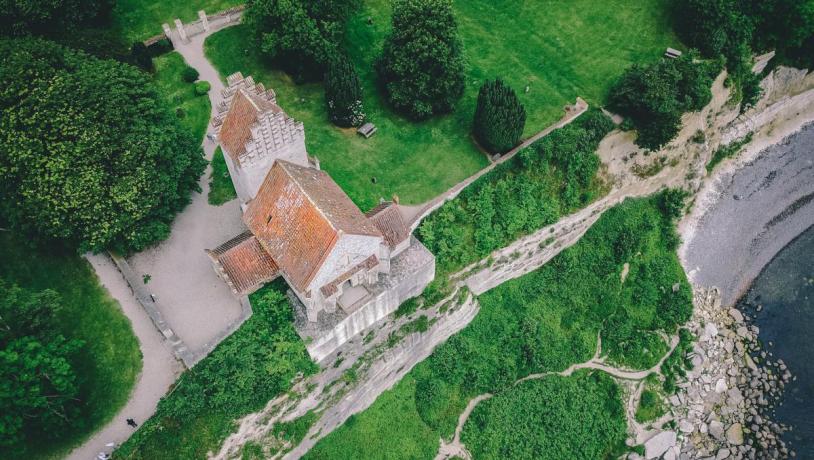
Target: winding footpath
{"x":455,"y":448}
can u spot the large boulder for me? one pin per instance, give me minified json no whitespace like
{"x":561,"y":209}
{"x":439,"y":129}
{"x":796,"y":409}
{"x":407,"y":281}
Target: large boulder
{"x":734,"y":434}
{"x":656,"y":446}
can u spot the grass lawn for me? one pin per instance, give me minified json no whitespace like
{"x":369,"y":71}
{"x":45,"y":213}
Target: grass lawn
{"x":221,"y":188}
{"x":179,"y":94}
{"x":565,"y":50}
{"x":141,"y":19}
{"x":110,"y":360}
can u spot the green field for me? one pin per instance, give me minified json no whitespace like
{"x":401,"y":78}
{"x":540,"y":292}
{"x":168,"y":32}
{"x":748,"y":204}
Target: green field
{"x":141,"y":19}
{"x":179,"y":94}
{"x":561,"y":50}
{"x":110,"y":360}
{"x":544,"y":321}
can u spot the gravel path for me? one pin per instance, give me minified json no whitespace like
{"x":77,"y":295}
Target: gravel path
{"x":159,"y":371}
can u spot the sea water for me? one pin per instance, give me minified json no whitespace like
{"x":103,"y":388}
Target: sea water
{"x":785,"y":292}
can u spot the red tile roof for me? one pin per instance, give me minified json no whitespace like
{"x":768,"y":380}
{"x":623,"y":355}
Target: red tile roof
{"x":245,"y":264}
{"x":298,"y":216}
{"x":243,"y":113}
{"x":387,"y":218}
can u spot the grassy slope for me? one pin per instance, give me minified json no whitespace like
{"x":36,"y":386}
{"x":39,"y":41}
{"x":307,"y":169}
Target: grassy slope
{"x":179,"y":94}
{"x":141,"y":19}
{"x":567,"y":49}
{"x":111,"y":359}
{"x":246,"y":370}
{"x":221,"y":188}
{"x":536,"y":324}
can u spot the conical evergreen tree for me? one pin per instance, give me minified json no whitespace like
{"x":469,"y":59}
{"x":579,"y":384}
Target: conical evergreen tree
{"x":343,"y":94}
{"x":499,"y":117}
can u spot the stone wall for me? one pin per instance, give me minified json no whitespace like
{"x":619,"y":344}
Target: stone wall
{"x":410,"y":273}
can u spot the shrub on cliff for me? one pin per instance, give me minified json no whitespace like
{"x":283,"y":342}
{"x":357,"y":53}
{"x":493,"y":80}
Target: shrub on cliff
{"x":655,"y":96}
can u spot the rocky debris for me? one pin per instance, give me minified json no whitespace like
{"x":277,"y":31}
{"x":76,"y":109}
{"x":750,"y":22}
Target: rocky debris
{"x":656,"y":446}
{"x":723,"y":409}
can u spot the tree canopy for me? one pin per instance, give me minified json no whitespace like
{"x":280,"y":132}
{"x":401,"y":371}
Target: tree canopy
{"x":88,"y":153}
{"x":499,"y":117}
{"x":21,"y":17}
{"x":301,"y":36}
{"x":38,"y":386}
{"x":421,"y":67}
{"x":655,"y":96}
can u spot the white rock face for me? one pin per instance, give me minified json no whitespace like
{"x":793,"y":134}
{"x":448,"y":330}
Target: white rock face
{"x":656,"y":446}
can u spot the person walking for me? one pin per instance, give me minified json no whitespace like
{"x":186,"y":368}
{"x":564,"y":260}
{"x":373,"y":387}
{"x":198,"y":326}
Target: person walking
{"x":132,"y":423}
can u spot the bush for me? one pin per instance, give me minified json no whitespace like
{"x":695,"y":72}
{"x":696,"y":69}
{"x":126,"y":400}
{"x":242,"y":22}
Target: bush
{"x":421,"y":68}
{"x":189,"y":74}
{"x":581,"y":416}
{"x":343,"y":94}
{"x":201,"y":88}
{"x":654,"y":97}
{"x":499,"y":117}
{"x":120,"y":165}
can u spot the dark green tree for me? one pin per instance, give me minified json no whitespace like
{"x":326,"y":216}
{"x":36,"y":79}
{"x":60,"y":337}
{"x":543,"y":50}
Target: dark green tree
{"x":654,"y":97}
{"x":38,"y":386}
{"x":301,"y":36}
{"x":499,"y":117}
{"x":88,"y":153}
{"x":421,"y":68}
{"x":21,"y":17}
{"x":343,"y":94}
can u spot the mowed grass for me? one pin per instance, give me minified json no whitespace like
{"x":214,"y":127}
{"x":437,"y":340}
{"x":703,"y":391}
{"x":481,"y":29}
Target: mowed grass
{"x":221,"y":188}
{"x":560,"y":50}
{"x":110,"y":361}
{"x":179,"y":94}
{"x":415,"y":161}
{"x":141,"y":19}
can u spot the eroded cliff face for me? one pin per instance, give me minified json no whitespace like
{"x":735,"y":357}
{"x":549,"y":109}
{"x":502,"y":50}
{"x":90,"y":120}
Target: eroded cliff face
{"x":786,"y":105}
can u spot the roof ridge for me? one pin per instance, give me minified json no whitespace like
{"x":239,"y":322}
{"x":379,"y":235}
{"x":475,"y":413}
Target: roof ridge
{"x":284,"y":164}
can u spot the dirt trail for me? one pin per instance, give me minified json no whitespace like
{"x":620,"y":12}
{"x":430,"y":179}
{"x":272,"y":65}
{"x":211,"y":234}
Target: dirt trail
{"x":456,"y":447}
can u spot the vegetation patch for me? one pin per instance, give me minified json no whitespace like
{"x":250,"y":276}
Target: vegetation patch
{"x":221,"y":187}
{"x":534,"y":324}
{"x":650,"y":407}
{"x":581,"y":416}
{"x":727,"y":151}
{"x":554,"y":176}
{"x":178,"y":93}
{"x":106,"y":365}
{"x":252,"y":366}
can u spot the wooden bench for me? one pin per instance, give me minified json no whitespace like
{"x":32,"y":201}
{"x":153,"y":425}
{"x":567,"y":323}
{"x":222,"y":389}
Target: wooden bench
{"x":366,"y":130}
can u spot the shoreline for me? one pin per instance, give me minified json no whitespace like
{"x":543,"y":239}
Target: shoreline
{"x":744,"y":214}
